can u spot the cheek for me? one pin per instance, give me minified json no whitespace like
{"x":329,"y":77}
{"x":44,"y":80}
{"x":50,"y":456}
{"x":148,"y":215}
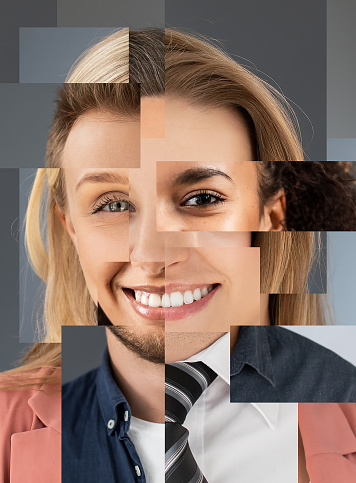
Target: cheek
{"x":241,"y":268}
{"x":100,"y":248}
{"x":250,"y":210}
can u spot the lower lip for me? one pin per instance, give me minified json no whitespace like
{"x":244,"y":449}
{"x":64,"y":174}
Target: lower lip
{"x":170,"y":313}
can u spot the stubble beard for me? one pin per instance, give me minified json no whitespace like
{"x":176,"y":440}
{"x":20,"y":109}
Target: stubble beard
{"x":146,"y":344}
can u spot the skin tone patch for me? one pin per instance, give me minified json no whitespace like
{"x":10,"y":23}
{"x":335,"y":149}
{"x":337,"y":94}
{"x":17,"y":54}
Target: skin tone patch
{"x":103,"y":139}
{"x":152,"y":117}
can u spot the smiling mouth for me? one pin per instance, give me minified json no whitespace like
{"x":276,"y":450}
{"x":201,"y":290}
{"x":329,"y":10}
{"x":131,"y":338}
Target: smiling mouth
{"x":174,"y":305}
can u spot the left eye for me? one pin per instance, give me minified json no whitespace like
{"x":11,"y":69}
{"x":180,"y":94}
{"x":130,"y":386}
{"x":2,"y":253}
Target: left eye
{"x":203,"y":199}
{"x":117,"y":206}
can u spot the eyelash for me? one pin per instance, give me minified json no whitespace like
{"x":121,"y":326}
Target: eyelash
{"x":107,"y":200}
{"x":214,"y":194}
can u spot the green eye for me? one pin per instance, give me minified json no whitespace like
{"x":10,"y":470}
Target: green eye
{"x":112,"y":204}
{"x":117,"y":206}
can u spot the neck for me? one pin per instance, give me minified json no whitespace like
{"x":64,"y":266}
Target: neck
{"x":182,"y":345}
{"x":141,"y":381}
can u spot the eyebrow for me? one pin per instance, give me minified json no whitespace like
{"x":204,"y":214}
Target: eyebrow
{"x":191,"y":176}
{"x":103,"y":177}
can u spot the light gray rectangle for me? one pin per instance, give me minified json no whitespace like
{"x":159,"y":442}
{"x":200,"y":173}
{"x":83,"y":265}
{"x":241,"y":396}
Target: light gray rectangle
{"x":47,"y":54}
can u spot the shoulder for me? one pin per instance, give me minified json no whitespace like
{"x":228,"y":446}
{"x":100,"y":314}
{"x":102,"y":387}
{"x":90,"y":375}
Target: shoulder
{"x":81,"y":385}
{"x":320,"y":368}
{"x":30,"y":430}
{"x":14,"y":405}
{"x":79,"y":397}
{"x":20,"y":404}
{"x":292,"y":344}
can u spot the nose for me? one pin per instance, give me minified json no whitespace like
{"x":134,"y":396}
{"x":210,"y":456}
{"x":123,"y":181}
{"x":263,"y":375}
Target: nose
{"x":153,"y":251}
{"x":147,"y":245}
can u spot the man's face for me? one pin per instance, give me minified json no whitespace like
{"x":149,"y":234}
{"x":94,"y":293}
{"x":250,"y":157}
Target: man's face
{"x":166,"y":246}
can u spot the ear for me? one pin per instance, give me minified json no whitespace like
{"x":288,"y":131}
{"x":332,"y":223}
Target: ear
{"x":67,"y":225}
{"x":274,"y":213}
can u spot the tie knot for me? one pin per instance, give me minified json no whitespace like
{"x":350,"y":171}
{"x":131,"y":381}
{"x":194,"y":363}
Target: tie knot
{"x":185,"y":383}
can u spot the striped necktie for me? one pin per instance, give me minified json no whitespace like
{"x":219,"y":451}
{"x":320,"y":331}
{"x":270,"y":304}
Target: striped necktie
{"x":185,"y":383}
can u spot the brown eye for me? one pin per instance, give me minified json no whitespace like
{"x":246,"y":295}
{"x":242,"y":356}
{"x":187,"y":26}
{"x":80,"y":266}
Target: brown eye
{"x":203,"y":199}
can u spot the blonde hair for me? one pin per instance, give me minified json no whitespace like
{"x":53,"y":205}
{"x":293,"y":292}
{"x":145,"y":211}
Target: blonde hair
{"x":111,"y":76}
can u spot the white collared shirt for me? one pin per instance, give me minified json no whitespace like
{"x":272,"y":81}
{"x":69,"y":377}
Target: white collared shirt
{"x":231,"y":442}
{"x":240,"y":442}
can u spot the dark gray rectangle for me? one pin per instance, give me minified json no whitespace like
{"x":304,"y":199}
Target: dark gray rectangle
{"x":283,"y":42}
{"x":15,"y":14}
{"x":25,"y":119}
{"x":108,"y":13}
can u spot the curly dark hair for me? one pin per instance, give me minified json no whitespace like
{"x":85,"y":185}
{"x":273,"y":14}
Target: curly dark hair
{"x":320,"y":195}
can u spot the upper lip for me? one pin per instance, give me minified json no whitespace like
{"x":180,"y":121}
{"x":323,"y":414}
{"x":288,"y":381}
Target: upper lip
{"x":169,"y":287}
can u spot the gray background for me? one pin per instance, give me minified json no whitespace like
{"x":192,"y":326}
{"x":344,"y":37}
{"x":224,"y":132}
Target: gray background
{"x":342,"y":276}
{"x":82,"y":350}
{"x":108,"y":13}
{"x":10,"y":348}
{"x":284,"y":39}
{"x":25,"y":118}
{"x":15,"y":14}
{"x":47,"y":54}
{"x":342,"y":149}
{"x":31,"y":287}
{"x":341,"y":73}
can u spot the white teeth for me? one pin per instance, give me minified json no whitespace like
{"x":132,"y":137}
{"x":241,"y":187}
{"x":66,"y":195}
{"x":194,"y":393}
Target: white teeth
{"x":154,"y":300}
{"x":176,"y":299}
{"x":188,"y":297}
{"x":166,"y":301}
{"x":144,"y":299}
{"x":197,"y":294}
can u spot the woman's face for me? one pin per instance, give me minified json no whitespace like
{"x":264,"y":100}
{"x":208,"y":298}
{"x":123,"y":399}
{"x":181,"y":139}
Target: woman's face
{"x":168,"y":242}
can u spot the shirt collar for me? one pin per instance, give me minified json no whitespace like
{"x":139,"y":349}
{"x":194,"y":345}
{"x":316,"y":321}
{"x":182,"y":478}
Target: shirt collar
{"x":252,"y":348}
{"x":216,"y":356}
{"x":114,"y":407}
{"x":269,"y":412}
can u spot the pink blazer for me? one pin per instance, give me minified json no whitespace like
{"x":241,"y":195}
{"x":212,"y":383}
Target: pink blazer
{"x":30,"y":437}
{"x":329,"y":436}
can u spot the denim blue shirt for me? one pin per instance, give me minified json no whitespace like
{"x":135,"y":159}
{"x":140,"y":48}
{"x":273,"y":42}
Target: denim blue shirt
{"x":95,"y":421}
{"x":274,"y":364}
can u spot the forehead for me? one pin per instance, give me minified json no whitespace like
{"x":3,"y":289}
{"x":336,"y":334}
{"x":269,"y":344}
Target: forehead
{"x":190,"y":133}
{"x":103,"y":139}
{"x":197,"y":133}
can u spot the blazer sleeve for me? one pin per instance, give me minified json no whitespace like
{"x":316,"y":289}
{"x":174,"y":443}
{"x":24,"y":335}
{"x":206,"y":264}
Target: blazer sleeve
{"x":329,"y":437}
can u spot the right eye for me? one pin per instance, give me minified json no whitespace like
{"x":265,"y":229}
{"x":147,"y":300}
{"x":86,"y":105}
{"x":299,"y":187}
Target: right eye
{"x":112,"y":204}
{"x":117,"y":206}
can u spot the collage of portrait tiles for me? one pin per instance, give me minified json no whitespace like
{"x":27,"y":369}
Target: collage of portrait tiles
{"x":178,"y":268}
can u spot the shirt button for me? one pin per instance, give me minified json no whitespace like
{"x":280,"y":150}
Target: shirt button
{"x":138,"y":471}
{"x":111,"y":423}
{"x":126,"y":416}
